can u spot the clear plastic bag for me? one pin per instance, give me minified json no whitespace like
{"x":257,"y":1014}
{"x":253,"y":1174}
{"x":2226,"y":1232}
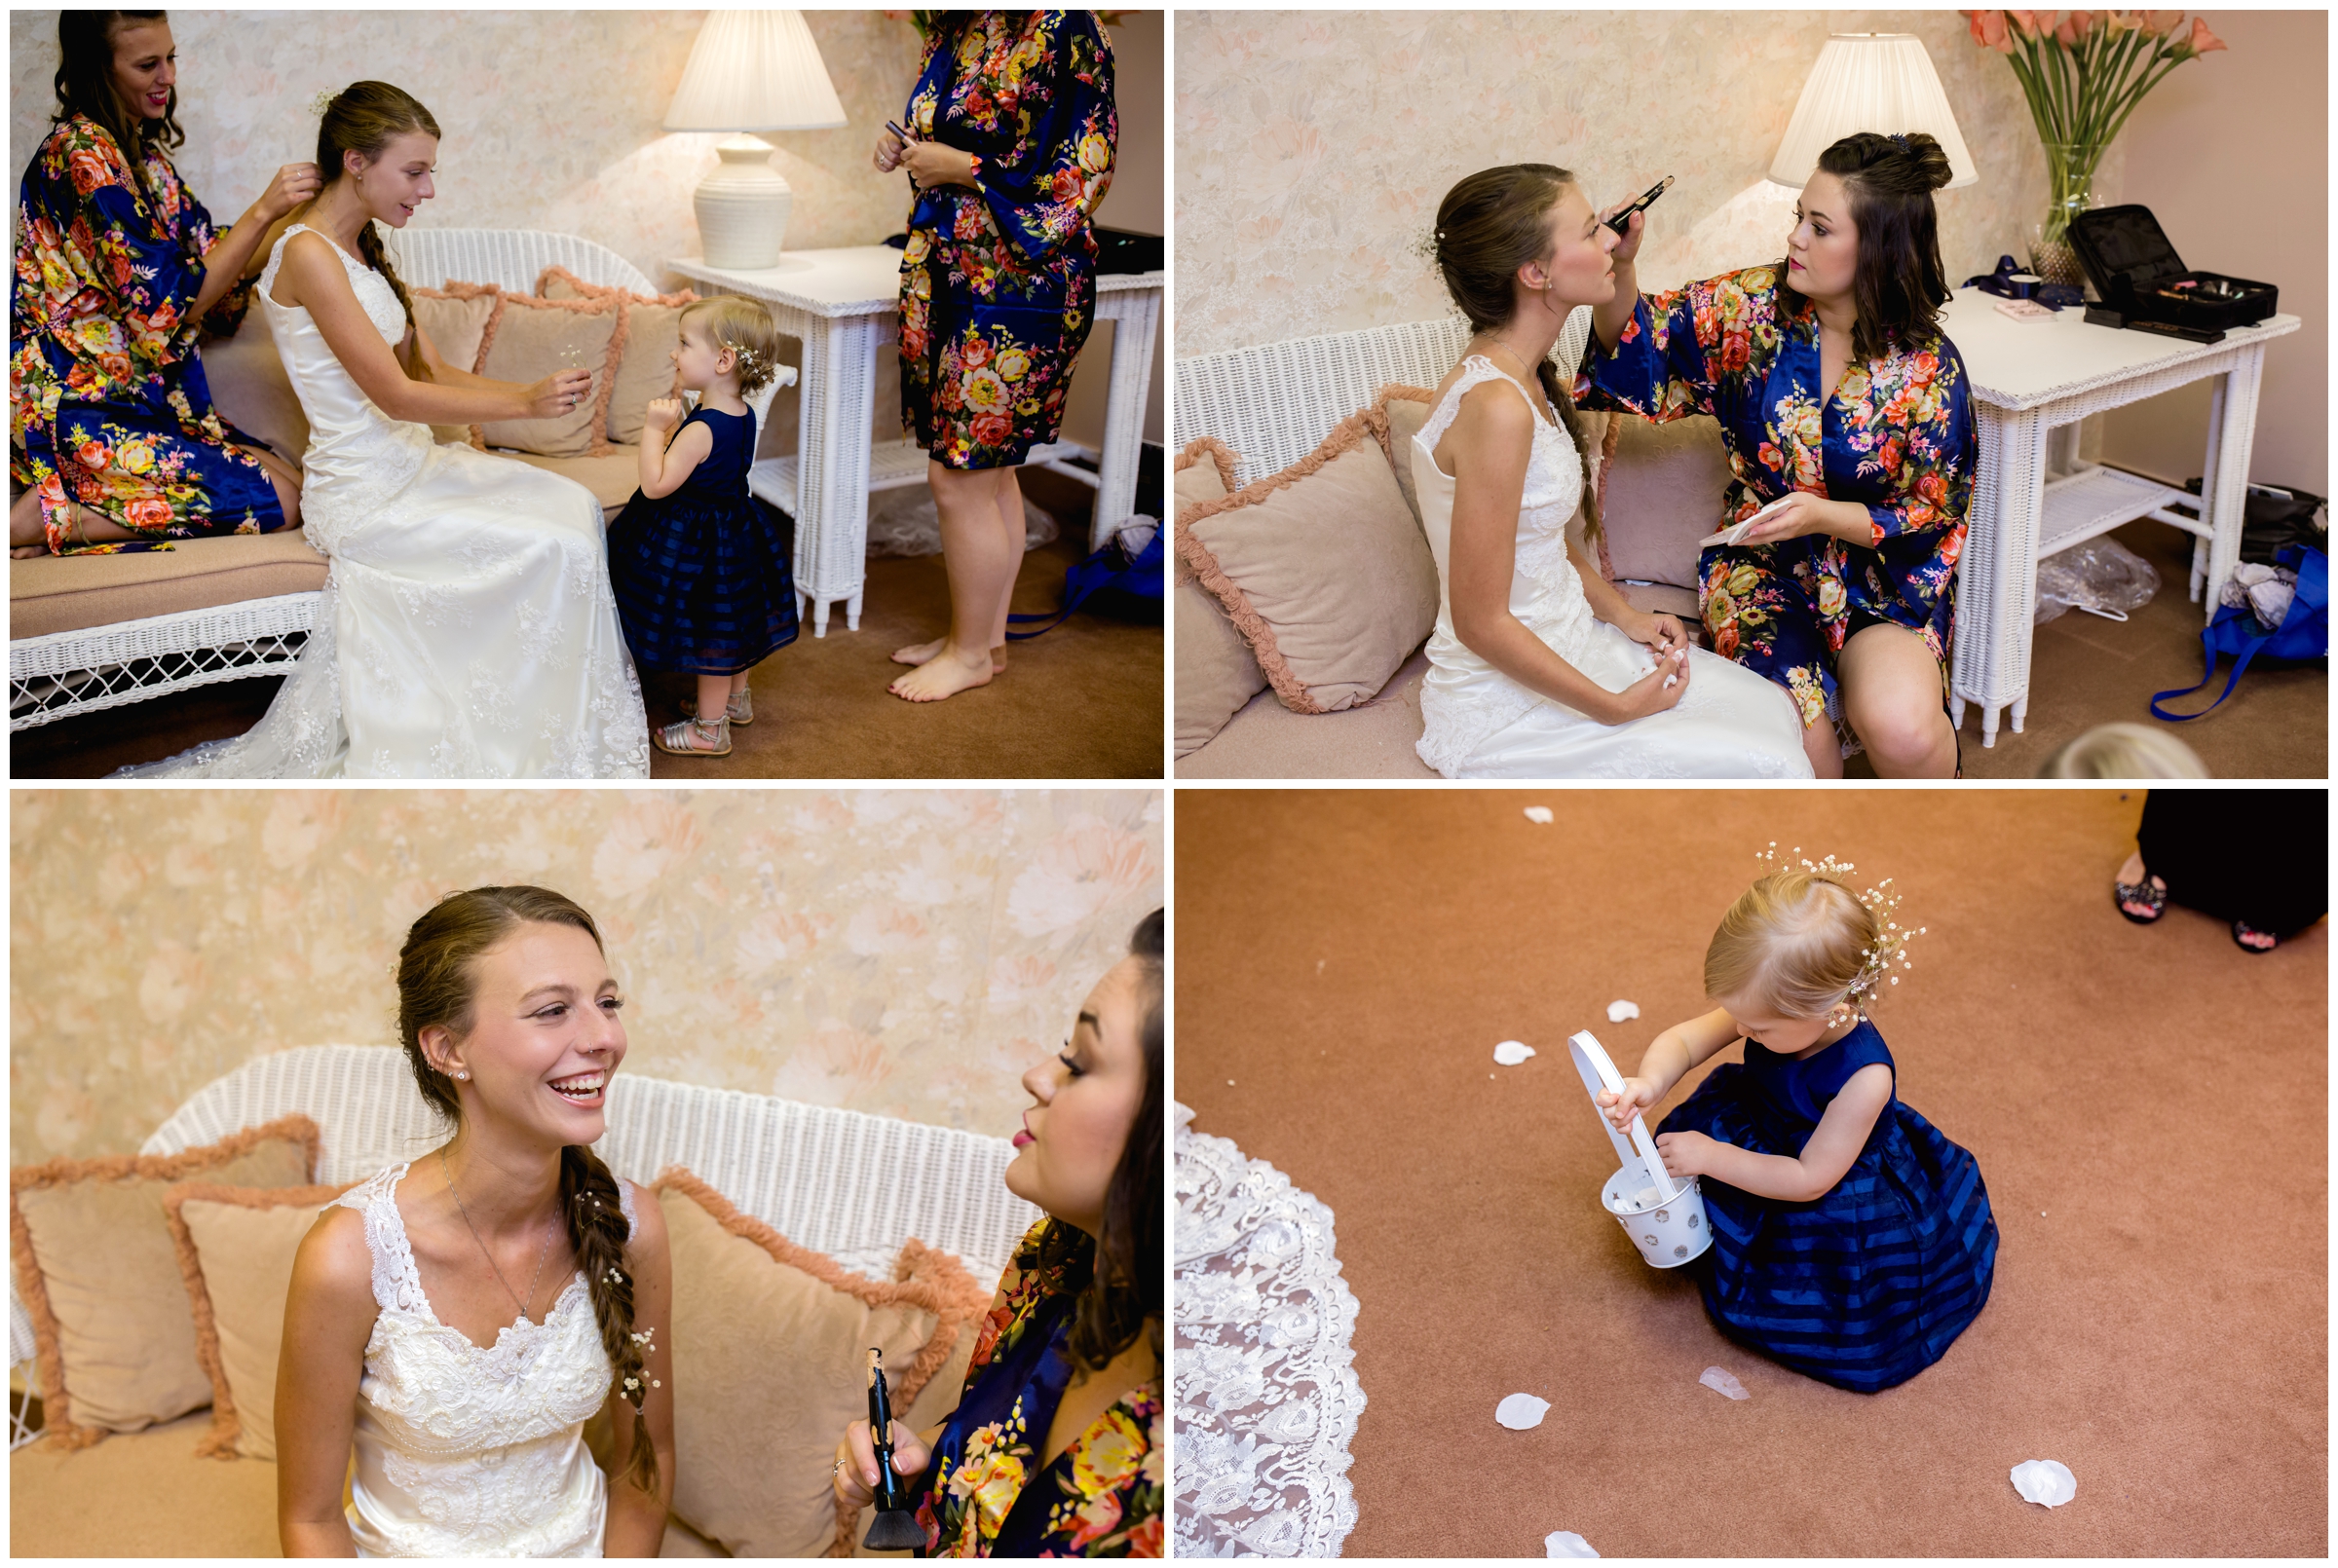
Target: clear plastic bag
{"x":902,"y":521}
{"x":2101,"y":576}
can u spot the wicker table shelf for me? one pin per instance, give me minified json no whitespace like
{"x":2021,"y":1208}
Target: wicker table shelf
{"x":2030,"y":380}
{"x":842,"y":304}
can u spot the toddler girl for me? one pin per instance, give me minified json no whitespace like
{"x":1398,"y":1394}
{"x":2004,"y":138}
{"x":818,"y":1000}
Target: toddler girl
{"x":699,"y":570}
{"x":1851,"y":1241}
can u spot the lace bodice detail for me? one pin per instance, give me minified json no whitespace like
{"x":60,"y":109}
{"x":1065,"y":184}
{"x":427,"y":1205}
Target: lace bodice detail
{"x":465,"y":1450}
{"x":1546,"y":593}
{"x":358,"y":458}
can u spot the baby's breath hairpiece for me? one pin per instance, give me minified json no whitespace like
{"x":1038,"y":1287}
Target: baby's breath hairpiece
{"x":1891,"y":939}
{"x":322,"y":102}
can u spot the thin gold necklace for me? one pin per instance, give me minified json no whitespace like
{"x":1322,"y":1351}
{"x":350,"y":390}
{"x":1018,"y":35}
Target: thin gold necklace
{"x":1495,"y":340}
{"x":534,"y":1280}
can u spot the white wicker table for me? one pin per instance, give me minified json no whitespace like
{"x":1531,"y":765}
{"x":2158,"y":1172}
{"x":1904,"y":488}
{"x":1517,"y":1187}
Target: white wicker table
{"x":841,"y":303}
{"x":2030,"y":380}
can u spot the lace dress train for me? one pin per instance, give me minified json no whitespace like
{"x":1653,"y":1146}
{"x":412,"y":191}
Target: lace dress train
{"x":1481,"y":723}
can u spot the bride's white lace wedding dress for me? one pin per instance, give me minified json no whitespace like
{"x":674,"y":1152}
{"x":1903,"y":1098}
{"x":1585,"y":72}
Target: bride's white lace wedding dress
{"x":467,"y":629}
{"x":1481,"y":723}
{"x":465,"y":1452}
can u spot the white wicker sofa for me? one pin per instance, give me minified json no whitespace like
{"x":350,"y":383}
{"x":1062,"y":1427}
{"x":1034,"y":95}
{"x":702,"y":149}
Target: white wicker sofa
{"x":1272,"y":404}
{"x":839,"y":1183}
{"x":92,"y":632}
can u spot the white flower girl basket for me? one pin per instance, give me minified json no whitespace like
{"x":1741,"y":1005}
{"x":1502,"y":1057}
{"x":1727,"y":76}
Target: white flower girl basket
{"x":1665,"y":1219}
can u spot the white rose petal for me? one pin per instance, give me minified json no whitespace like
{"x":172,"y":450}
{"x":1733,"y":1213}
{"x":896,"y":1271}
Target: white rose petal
{"x":1519,"y":1411}
{"x":1567,"y":1544}
{"x":1540,"y":813}
{"x":1510,"y":1053}
{"x":2045,"y":1480}
{"x":1721,"y":1382}
{"x":1617,"y":1012}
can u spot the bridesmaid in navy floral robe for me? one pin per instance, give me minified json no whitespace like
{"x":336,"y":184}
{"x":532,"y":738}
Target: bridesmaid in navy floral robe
{"x":1014,"y":136}
{"x":1895,"y":437}
{"x":108,"y":408}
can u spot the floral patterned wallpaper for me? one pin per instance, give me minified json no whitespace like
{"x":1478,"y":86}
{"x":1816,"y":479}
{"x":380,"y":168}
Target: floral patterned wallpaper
{"x":1313,"y":147}
{"x":551,"y":118}
{"x":906,"y":952}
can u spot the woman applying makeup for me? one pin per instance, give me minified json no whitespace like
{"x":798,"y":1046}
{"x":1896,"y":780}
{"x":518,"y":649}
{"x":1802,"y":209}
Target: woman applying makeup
{"x":1055,"y":1448}
{"x":1835,"y":391}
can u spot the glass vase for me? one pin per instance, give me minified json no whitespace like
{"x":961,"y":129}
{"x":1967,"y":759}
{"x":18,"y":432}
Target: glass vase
{"x":2069,"y":191}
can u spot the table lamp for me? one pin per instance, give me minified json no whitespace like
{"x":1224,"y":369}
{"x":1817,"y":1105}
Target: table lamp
{"x":750,"y":71}
{"x":1881,"y":81}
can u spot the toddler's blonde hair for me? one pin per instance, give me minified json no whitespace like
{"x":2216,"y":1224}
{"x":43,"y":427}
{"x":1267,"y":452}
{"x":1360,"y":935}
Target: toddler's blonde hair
{"x":744,"y":327}
{"x":1794,"y":941}
{"x":2124,"y":751}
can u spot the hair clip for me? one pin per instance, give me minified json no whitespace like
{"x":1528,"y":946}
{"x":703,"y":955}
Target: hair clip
{"x":322,"y":102}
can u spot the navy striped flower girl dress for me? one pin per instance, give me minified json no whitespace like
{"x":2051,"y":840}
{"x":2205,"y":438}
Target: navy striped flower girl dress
{"x":1869,"y":1284}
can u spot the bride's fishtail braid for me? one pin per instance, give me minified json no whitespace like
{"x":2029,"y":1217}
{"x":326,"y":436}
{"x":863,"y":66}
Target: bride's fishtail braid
{"x":376,"y":255}
{"x":598,"y":1230}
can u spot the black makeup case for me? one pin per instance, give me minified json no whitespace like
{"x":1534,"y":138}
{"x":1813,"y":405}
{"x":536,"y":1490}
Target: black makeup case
{"x":2136,"y":271}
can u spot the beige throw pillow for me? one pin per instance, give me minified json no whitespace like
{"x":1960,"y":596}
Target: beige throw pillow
{"x":454,"y":319}
{"x":524,"y":342}
{"x":1661,"y":491}
{"x":642,"y":369}
{"x":1321,"y":568}
{"x":1407,"y":409}
{"x":768,"y":1341}
{"x":236,"y":1247}
{"x":98,"y":1273}
{"x":1216,"y":673}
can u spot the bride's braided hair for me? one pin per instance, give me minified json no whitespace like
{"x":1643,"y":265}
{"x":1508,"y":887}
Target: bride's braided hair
{"x":437,"y":983}
{"x":361,"y":118}
{"x":1488,"y":226}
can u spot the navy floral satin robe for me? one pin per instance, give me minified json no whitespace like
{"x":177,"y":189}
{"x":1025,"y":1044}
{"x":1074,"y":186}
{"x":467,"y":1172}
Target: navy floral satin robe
{"x":107,"y":401}
{"x":1898,"y":437}
{"x":998,"y":282}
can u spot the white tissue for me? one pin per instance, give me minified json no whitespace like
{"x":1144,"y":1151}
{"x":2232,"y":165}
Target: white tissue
{"x":1567,"y":1544}
{"x":1721,"y":1382}
{"x":1617,"y":1012}
{"x":2045,"y":1480}
{"x":1510,"y":1053}
{"x":1520,"y":1411}
{"x":1644,"y":1197}
{"x":1540,"y":813}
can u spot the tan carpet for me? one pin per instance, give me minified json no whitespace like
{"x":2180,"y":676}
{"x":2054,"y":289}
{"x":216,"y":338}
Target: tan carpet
{"x":2147,"y":1106}
{"x":2086,"y":671}
{"x":1086,"y":701}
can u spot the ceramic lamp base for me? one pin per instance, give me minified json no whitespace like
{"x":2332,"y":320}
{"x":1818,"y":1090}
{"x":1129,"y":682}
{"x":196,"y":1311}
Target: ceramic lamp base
{"x":743,"y":208}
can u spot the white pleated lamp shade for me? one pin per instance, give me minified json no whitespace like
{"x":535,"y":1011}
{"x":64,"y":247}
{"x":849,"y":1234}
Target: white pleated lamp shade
{"x":754,"y":71}
{"x":1879,"y":82}
{"x":750,"y":71}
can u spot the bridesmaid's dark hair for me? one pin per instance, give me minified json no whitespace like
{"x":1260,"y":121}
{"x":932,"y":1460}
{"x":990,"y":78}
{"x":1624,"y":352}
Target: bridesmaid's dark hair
{"x":85,"y":85}
{"x":1488,"y":226}
{"x":438,"y":976}
{"x":1117,"y":1272}
{"x":1898,"y":283}
{"x":363,"y":118}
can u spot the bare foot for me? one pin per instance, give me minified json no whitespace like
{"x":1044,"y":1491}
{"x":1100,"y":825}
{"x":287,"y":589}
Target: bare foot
{"x":2254,"y":940}
{"x":943,"y":676}
{"x":20,"y":552}
{"x":927,"y":653}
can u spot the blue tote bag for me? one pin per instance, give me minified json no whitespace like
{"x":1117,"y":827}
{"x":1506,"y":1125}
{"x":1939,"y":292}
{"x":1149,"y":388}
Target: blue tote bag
{"x":2304,"y":632}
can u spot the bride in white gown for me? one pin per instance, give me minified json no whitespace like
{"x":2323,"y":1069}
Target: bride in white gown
{"x":467,"y":629}
{"x":1538,"y":667}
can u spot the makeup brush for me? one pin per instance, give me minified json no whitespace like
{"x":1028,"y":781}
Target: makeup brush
{"x":896,"y":1527}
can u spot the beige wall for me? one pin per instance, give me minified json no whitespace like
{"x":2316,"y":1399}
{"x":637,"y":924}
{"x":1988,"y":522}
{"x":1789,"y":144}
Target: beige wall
{"x":2231,"y":153}
{"x":906,"y":952}
{"x":1313,"y":147}
{"x":552,"y":121}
